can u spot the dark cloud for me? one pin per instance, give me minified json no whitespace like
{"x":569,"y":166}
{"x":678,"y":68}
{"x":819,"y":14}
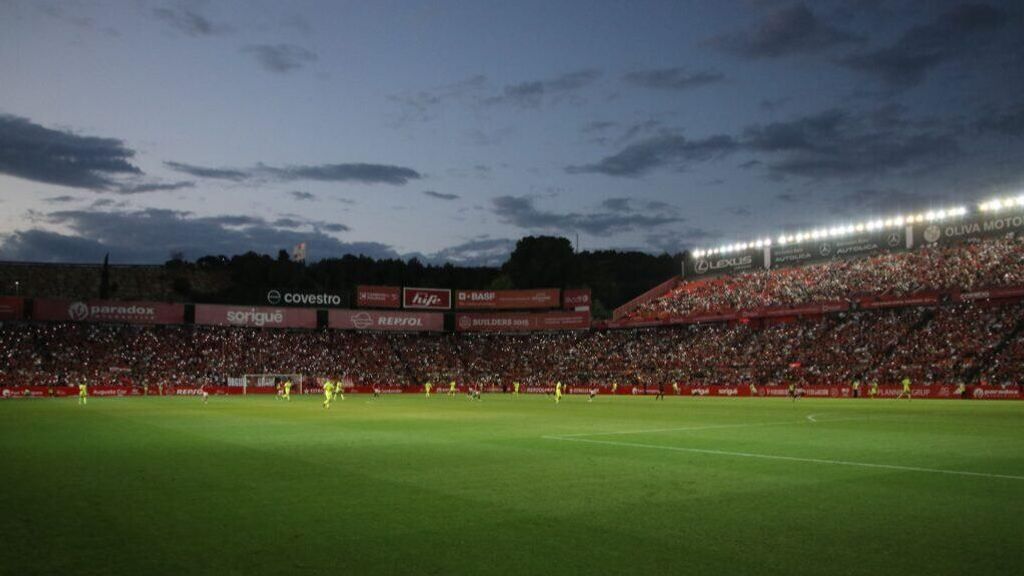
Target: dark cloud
{"x":209,"y":173}
{"x":353,"y":172}
{"x":60,"y":199}
{"x":672,"y":78}
{"x":739,"y":211}
{"x":657,"y":152}
{"x":441,"y":195}
{"x":33,"y":152}
{"x":280,"y":58}
{"x":532,"y":94}
{"x":302,"y":196}
{"x":616,"y":204}
{"x":787,"y":30}
{"x":839,"y":144}
{"x":962,"y":30}
{"x":356,"y":172}
{"x":141,"y":188}
{"x":149,"y":236}
{"x":189,"y":21}
{"x":520,"y":211}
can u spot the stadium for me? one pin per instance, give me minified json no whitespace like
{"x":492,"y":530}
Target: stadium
{"x":391,"y":289}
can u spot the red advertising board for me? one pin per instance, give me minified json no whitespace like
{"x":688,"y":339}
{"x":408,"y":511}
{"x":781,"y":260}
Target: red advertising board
{"x":427,"y":298}
{"x":108,"y":311}
{"x":506,"y":299}
{"x":511,"y":322}
{"x":12,"y":308}
{"x":992,"y":294}
{"x":576,"y":299}
{"x":920,"y":299}
{"x":257,"y":317}
{"x":386,"y":321}
{"x":378,"y":296}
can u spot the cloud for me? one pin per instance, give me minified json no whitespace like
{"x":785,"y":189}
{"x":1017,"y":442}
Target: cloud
{"x":441,"y":195}
{"x":357,"y":172}
{"x":141,"y":188}
{"x":189,"y":22}
{"x":352,"y":172}
{"x":302,"y":196}
{"x":657,"y":152}
{"x":60,"y":199}
{"x":423,"y":105}
{"x":838,"y":144}
{"x":151,"y":235}
{"x":33,"y":152}
{"x":483,"y":251}
{"x":520,"y":211}
{"x":533,"y":93}
{"x":672,"y":78}
{"x":209,"y":173}
{"x":962,"y":30}
{"x":788,"y":30}
{"x":280,"y":58}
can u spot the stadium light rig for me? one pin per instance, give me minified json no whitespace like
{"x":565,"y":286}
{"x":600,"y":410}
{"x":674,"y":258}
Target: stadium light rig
{"x":848,"y":229}
{"x":998,"y":204}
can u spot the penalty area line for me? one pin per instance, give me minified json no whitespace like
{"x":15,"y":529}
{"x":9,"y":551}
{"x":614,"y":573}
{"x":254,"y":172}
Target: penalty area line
{"x":788,"y":458}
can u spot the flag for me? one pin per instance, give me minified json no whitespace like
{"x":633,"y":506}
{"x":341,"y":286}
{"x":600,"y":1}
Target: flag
{"x":299,"y":252}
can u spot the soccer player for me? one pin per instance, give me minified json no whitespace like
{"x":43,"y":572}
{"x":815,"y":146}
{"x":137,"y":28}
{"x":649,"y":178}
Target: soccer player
{"x":753,"y":389}
{"x":792,"y":391}
{"x":204,"y":393}
{"x":675,"y":388}
{"x":873,"y":390}
{"x":961,"y":390}
{"x":451,"y":389}
{"x":856,"y":387}
{"x":287,"y":390}
{"x":426,"y":389}
{"x":593,"y":392}
{"x":376,"y":391}
{"x":906,"y":388}
{"x":615,"y":387}
{"x":339,"y":389}
{"x":661,"y":390}
{"x":558,"y":392}
{"x":328,"y":393}
{"x":515,"y":389}
{"x":83,"y":393}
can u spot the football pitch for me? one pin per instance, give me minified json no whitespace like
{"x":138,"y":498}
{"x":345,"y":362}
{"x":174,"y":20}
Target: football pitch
{"x":407,"y":485}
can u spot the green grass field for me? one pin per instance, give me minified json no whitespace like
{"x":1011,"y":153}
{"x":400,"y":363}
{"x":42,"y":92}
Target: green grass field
{"x":405,"y":485}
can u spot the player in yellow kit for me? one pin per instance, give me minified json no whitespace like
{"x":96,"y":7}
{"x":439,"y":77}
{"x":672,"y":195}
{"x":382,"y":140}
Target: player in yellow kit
{"x":451,"y":389}
{"x":558,"y":392}
{"x":426,"y":389}
{"x":515,"y":388}
{"x":906,"y":389}
{"x":83,"y":394}
{"x":328,"y":393}
{"x":287,"y":390}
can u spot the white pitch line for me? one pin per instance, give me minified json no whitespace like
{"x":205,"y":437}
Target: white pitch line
{"x":789,"y":458}
{"x":697,"y":428}
{"x":811,"y":417}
